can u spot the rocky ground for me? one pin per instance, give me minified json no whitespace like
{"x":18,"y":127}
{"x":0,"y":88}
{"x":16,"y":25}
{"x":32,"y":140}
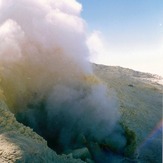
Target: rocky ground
{"x":140,"y":97}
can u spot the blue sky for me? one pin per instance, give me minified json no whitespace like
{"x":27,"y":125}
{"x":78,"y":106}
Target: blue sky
{"x":131,"y":32}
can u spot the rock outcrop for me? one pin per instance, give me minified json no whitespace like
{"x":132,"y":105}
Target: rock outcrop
{"x":19,"y":143}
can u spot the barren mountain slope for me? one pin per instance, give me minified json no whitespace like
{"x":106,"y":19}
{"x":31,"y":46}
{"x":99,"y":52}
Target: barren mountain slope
{"x":140,"y":97}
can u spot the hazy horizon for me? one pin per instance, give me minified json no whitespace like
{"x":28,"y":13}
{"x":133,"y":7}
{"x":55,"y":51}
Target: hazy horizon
{"x":125,"y":33}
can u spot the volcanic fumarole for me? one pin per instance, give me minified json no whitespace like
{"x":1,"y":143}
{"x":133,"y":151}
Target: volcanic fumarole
{"x":46,"y":77}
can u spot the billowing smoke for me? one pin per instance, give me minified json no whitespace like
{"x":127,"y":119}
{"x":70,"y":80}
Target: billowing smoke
{"x":46,"y":78}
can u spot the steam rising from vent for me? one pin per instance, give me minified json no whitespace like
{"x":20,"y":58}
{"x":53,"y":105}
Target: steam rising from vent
{"x":46,"y":77}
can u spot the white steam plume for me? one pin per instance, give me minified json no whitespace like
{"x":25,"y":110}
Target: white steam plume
{"x":46,"y":77}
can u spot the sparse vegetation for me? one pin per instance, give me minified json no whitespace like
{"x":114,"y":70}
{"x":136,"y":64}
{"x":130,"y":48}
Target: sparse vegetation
{"x":131,"y":141}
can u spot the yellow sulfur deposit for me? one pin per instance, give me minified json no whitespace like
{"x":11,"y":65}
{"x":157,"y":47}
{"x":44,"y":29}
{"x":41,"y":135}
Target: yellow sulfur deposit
{"x":91,"y":79}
